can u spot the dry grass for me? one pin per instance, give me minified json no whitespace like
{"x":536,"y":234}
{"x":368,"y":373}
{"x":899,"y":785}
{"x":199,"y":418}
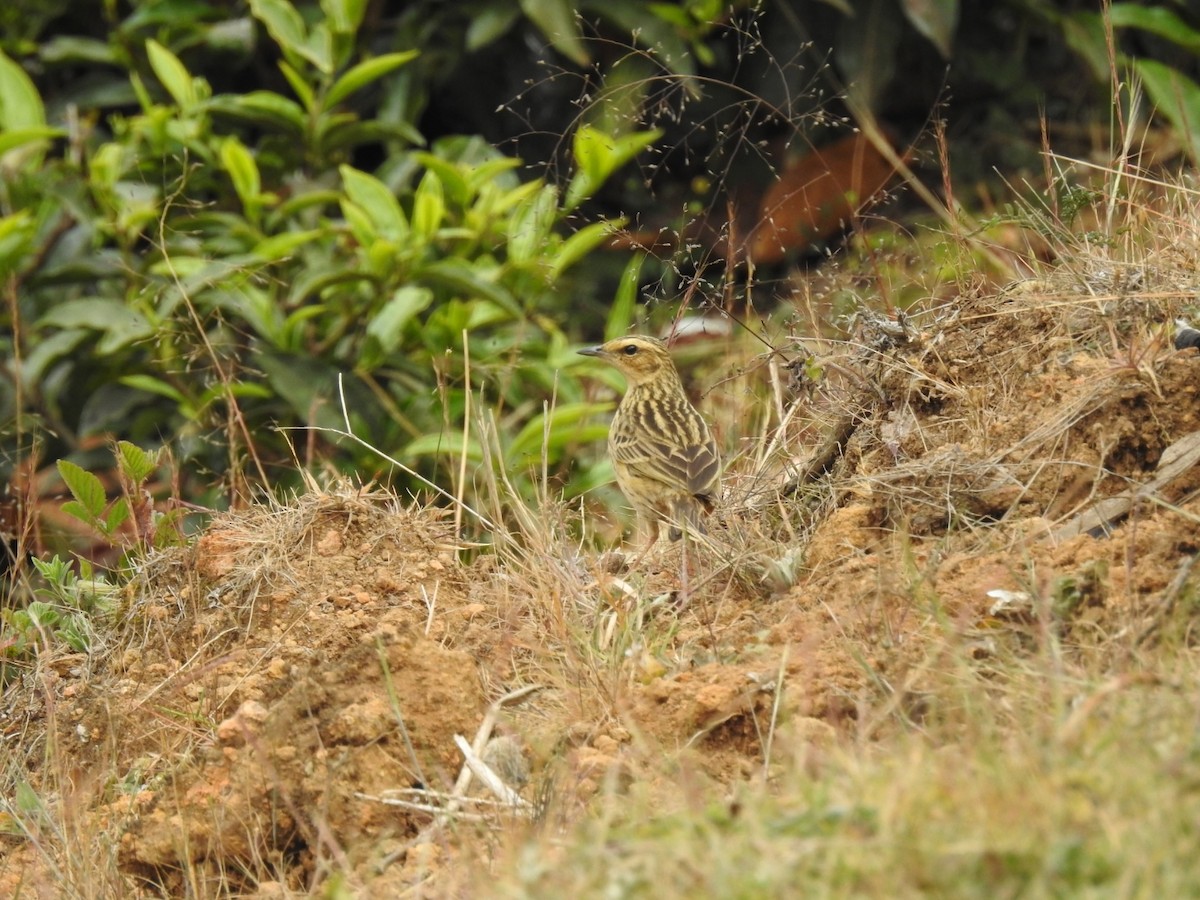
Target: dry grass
{"x":1034,"y":782}
{"x":818,"y":698}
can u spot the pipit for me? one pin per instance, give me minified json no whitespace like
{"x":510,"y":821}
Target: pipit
{"x":662,"y":451}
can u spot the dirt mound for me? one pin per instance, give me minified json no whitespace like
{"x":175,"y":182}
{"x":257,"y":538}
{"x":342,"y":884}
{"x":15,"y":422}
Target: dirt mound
{"x":284,"y":663}
{"x":273,"y":687}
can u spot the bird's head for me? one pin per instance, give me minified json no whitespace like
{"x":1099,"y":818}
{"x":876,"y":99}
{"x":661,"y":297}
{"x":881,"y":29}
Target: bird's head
{"x":642,"y":360}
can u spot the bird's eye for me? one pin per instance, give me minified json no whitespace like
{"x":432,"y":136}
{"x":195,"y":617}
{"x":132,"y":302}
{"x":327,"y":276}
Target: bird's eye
{"x":630,"y":349}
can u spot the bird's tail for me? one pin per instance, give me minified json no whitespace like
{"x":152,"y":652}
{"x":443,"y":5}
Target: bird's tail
{"x":685,"y":513}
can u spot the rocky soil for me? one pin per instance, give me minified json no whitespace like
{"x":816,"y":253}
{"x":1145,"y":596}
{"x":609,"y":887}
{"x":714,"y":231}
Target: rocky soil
{"x":957,"y":483}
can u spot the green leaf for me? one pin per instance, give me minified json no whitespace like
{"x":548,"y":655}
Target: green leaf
{"x":627,"y":146}
{"x":1084,"y":32}
{"x":262,"y":108}
{"x":11,"y":140}
{"x":530,"y":225}
{"x":344,"y":15}
{"x":340,"y":132}
{"x":291,"y":335}
{"x":594,"y":152}
{"x":145,"y":101}
{"x":136,"y":463}
{"x":243,"y":171}
{"x":490,"y":23}
{"x":461,"y":278}
{"x":483,"y":314}
{"x":620,"y":315}
{"x":494,"y":200}
{"x":455,"y":184}
{"x":936,"y":19}
{"x":22,"y":117}
{"x":43,"y":615}
{"x":65,"y":49}
{"x":445,"y":444}
{"x":282,"y":246}
{"x":300,"y":87}
{"x":495,"y":170}
{"x":563,"y":428}
{"x":556,"y":20}
{"x":364,"y":74}
{"x":376,"y":200}
{"x":387,"y":326}
{"x":120,"y":325}
{"x":73,"y":638}
{"x":581,"y":243}
{"x":234,"y":389}
{"x":598,"y":155}
{"x":234,"y":35}
{"x":1177,"y":97}
{"x":627,"y":84}
{"x":311,"y":284}
{"x":306,"y":384}
{"x":1159,"y":20}
{"x":172,"y":73}
{"x":661,"y":34}
{"x":56,"y":570}
{"x":360,"y":223}
{"x":318,"y":49}
{"x":283,"y":23}
{"x":20,"y":104}
{"x":116,"y":516}
{"x":254,"y":306}
{"x":85,"y":488}
{"x":429,"y":206}
{"x":49,"y":350}
{"x":152,"y":385}
{"x":306,"y":197}
{"x":16,"y":234}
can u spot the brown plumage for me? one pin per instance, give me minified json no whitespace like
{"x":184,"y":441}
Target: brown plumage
{"x":661,"y":448}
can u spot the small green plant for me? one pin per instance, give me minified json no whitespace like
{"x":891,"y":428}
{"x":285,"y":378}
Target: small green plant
{"x":92,"y":507}
{"x":72,"y":602}
{"x":73,"y":595}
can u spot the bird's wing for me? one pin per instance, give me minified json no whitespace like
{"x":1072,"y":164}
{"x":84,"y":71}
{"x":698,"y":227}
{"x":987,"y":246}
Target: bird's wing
{"x":693,"y":467}
{"x":704,"y":467}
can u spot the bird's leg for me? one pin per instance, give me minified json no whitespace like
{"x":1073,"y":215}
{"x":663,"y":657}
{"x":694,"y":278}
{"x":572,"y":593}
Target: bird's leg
{"x":647,"y":532}
{"x":653,"y":530}
{"x":685,"y":596}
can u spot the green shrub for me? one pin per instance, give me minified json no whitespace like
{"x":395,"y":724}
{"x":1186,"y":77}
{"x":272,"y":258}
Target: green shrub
{"x":209,"y":265}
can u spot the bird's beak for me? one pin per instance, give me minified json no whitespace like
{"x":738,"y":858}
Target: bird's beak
{"x":592,"y":351}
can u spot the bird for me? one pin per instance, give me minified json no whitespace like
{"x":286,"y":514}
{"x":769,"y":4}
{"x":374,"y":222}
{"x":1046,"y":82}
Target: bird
{"x":662,"y":450}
